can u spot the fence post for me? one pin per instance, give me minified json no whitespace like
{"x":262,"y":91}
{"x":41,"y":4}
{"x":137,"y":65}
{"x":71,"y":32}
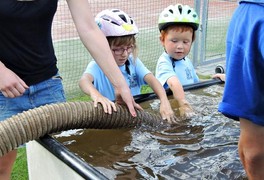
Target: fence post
{"x":195,"y":48}
{"x":203,"y":31}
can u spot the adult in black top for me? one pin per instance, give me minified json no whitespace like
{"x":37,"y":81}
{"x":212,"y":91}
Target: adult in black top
{"x":27,"y":55}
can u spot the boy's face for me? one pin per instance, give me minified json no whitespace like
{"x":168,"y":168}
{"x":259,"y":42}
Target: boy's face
{"x":121,"y":53}
{"x":177,"y":43}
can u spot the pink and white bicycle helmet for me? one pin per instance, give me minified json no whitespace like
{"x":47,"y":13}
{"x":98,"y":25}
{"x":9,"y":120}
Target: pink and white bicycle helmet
{"x":178,"y":14}
{"x":114,"y":22}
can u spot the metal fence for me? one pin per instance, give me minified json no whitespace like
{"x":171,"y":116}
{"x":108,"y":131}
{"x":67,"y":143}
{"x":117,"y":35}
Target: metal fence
{"x":209,"y":45}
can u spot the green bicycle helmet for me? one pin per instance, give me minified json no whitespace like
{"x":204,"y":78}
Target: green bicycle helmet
{"x":178,"y":14}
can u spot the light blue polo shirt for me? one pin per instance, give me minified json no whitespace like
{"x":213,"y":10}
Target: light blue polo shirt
{"x":183,"y":69}
{"x":134,"y":80}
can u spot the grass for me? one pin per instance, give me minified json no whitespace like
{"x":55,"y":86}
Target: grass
{"x":20,"y":170}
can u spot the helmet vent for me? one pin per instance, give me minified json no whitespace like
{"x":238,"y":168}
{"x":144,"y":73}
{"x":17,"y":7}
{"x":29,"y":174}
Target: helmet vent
{"x":123,"y":18}
{"x":106,"y":19}
{"x":171,"y":11}
{"x":180,"y":9}
{"x":114,"y":23}
{"x":189,"y":11}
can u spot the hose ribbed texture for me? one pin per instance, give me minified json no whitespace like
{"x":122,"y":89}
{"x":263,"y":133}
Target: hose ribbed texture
{"x":35,"y":123}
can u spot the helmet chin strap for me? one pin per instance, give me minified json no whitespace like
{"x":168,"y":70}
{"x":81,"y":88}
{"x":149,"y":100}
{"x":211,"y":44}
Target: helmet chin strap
{"x":127,"y":63}
{"x":177,"y":59}
{"x":174,"y":60}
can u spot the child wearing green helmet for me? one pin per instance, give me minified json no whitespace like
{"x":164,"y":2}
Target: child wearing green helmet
{"x":177,"y":25}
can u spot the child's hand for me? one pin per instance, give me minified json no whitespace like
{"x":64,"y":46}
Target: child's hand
{"x":186,"y":111}
{"x":108,"y":105}
{"x":167,"y":113}
{"x":220,"y":76}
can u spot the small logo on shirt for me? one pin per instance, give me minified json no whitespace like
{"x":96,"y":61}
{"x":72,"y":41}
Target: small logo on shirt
{"x":132,"y":81}
{"x":188,"y":73}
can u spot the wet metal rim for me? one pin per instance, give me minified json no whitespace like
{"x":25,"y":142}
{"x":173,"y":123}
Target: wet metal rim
{"x":72,"y":160}
{"x":149,"y":96}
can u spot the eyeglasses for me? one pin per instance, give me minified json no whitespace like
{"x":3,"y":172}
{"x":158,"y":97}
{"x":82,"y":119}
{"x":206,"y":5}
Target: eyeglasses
{"x":120,"y":51}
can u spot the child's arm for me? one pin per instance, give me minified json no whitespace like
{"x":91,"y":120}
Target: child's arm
{"x":88,"y":88}
{"x":185,"y":109}
{"x":165,"y":107}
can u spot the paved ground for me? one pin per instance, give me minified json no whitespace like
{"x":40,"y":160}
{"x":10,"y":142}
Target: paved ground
{"x":209,"y":69}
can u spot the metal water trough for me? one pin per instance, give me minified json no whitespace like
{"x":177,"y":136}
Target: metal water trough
{"x":49,"y":159}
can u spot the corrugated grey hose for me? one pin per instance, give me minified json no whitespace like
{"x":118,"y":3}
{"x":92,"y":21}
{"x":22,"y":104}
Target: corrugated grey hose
{"x":35,"y":123}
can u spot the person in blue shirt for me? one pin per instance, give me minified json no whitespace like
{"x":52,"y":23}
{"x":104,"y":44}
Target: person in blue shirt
{"x":120,"y":30}
{"x":243,"y":97}
{"x":177,"y":25}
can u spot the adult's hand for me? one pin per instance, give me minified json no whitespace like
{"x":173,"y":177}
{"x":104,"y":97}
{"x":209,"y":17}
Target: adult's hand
{"x":10,"y":84}
{"x":124,"y":96}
